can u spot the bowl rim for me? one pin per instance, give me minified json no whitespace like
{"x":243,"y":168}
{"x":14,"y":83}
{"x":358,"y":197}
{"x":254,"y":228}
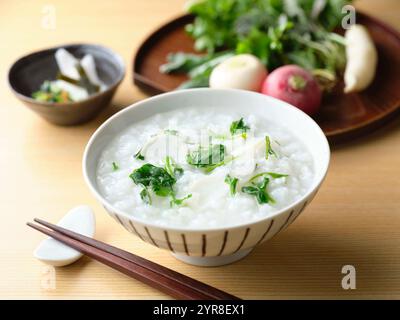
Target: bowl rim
{"x":313,"y":188}
{"x":116,"y":82}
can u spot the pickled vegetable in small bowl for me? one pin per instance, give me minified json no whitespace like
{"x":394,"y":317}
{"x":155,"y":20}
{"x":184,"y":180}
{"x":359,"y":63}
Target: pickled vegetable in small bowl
{"x":69,"y":84}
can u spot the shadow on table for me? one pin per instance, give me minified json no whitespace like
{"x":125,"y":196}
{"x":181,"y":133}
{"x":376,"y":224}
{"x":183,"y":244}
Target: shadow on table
{"x":112,"y":109}
{"x":298,"y":264}
{"x":373,"y":137}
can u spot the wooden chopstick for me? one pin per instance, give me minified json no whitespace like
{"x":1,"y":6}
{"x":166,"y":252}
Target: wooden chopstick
{"x":169,"y":281}
{"x":176,"y":276}
{"x":142,"y":274}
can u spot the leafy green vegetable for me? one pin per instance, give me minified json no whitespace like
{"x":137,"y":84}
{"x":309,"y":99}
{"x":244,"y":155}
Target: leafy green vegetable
{"x":268,"y":148}
{"x":182,"y":62}
{"x":153,"y":177}
{"x":198,"y":67}
{"x":115,"y":166}
{"x":158,"y":180}
{"x":232,"y":182}
{"x":172,"y":168}
{"x":278,"y":32}
{"x":171,"y":132}
{"x":51,"y":93}
{"x":208,"y":156}
{"x":259,"y":190}
{"x":145,"y":196}
{"x":207,"y":66}
{"x":178,"y":202}
{"x":221,"y":163}
{"x":239,"y":127}
{"x":200,"y":81}
{"x":273,"y":175}
{"x":138,"y":155}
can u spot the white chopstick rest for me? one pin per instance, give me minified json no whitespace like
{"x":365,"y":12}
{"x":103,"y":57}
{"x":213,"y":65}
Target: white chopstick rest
{"x":79,"y":219}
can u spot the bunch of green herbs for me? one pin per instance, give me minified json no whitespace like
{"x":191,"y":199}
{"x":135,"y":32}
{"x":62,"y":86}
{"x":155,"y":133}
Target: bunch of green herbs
{"x":278,"y":32}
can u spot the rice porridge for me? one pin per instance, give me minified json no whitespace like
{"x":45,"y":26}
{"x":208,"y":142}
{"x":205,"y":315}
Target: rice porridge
{"x":201,"y":168}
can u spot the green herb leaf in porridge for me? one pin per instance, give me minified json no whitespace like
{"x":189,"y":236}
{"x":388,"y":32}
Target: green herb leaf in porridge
{"x":232,"y":182}
{"x":115,"y":166}
{"x":273,"y":175}
{"x":178,"y":202}
{"x":171,"y":132}
{"x":156,"y":178}
{"x":259,"y":190}
{"x":208,"y":156}
{"x":138,"y":155}
{"x":145,"y":196}
{"x":172,"y":168}
{"x":239,"y":127}
{"x":219,"y":164}
{"x":268,"y":148}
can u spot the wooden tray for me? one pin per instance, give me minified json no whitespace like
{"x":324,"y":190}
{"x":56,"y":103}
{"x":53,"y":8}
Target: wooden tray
{"x":342,"y":117}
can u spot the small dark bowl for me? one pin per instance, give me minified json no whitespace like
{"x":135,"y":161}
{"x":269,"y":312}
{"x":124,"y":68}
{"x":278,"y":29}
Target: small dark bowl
{"x":28,"y":73}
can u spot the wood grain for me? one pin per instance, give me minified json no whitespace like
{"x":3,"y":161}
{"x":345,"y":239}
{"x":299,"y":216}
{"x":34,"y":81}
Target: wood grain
{"x":342,"y":117}
{"x":354,"y":219}
{"x":166,"y":280}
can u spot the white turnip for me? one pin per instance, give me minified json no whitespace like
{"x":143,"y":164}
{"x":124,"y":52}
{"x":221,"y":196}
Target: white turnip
{"x":243,"y":71}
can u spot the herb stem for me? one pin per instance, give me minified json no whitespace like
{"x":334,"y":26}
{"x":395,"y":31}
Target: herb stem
{"x":115,"y":166}
{"x":271,"y":174}
{"x":214,"y":166}
{"x":232,"y":182}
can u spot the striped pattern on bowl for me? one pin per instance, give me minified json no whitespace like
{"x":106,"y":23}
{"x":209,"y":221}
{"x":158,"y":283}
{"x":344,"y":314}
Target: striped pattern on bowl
{"x":212,"y":242}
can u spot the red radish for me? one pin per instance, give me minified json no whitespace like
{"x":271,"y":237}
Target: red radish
{"x":294,"y":85}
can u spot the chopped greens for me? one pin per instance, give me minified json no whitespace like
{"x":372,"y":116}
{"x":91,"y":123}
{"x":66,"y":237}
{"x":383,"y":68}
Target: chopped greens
{"x":158,"y":180}
{"x":145,"y":196}
{"x":51,"y":93}
{"x":138,"y":155}
{"x":172,"y":168}
{"x":205,"y":157}
{"x":153,"y":177}
{"x":178,"y":202}
{"x":273,"y":175}
{"x":171,"y":132}
{"x":216,"y":165}
{"x":232,"y":182}
{"x":115,"y":166}
{"x":259,"y":190}
{"x":239,"y":127}
{"x":218,"y":136}
{"x":268,"y":148}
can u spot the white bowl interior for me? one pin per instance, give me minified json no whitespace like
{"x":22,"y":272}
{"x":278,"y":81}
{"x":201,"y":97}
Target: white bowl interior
{"x":242,"y":102}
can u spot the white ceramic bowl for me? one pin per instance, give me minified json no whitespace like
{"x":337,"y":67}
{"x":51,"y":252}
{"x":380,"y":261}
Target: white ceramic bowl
{"x":211,"y":246}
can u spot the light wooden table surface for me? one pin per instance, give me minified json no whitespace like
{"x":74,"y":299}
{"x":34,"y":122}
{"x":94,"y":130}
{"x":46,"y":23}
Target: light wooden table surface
{"x":355,"y":218}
